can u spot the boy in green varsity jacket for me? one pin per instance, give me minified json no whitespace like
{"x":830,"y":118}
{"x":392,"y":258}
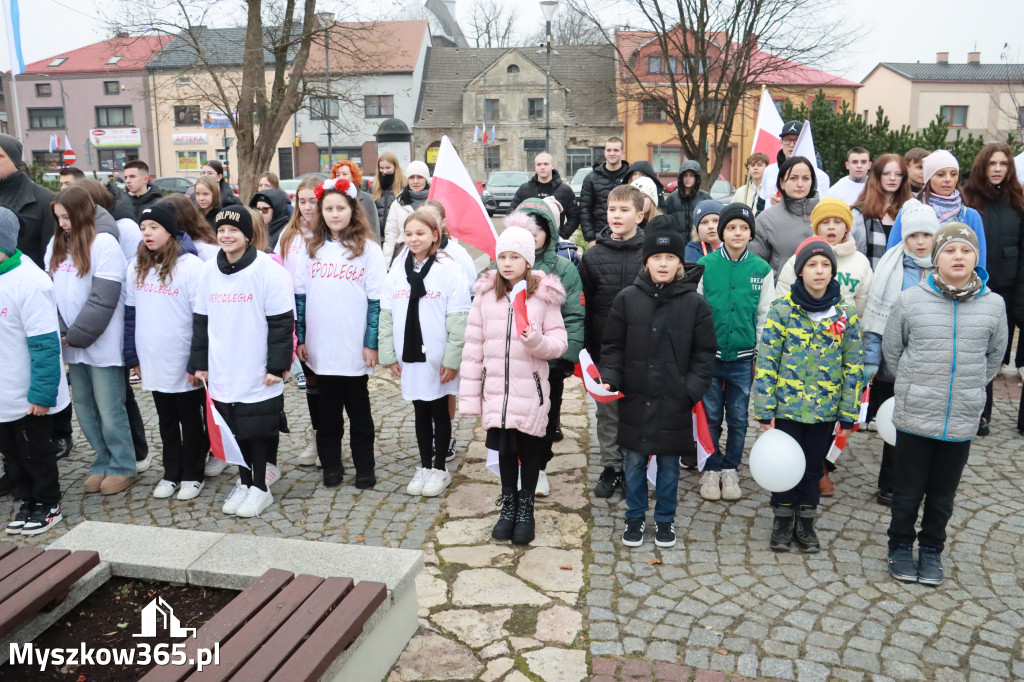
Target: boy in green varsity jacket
{"x":740,"y":287}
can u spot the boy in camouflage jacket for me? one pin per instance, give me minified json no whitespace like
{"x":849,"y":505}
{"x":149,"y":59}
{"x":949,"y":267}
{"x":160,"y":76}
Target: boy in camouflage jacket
{"x":807,"y":378}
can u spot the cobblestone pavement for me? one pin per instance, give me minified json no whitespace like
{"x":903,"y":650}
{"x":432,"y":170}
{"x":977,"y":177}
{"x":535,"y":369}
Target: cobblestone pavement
{"x":578,"y":605}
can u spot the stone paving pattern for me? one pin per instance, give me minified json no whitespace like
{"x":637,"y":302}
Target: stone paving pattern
{"x":578,"y":605}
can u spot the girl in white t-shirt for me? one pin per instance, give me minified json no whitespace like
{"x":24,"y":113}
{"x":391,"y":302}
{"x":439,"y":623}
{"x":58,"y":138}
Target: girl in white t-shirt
{"x":338,"y":283}
{"x":162,"y":288}
{"x":242,"y":347}
{"x":88,"y":271}
{"x":423,"y":319}
{"x":192,"y":223}
{"x":289,"y":247}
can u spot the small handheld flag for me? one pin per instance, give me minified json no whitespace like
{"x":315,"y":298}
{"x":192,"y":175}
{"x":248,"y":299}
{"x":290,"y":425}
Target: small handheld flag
{"x":519,"y":307}
{"x":223,"y":445}
{"x":591,"y":380}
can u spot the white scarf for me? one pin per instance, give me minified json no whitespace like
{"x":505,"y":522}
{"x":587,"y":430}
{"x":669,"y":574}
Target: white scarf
{"x":886,"y":285}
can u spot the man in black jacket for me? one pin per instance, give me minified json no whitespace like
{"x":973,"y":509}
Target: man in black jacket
{"x":688,"y":194}
{"x":136,"y":180}
{"x":547,"y":183}
{"x":594,"y":196}
{"x":29,"y":201}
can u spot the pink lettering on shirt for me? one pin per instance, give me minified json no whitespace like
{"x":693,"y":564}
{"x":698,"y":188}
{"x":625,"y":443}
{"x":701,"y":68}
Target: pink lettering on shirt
{"x":67,"y":267}
{"x":404,"y":293}
{"x":230,"y":298}
{"x":318,"y":270}
{"x":148,"y":288}
{"x":3,"y":312}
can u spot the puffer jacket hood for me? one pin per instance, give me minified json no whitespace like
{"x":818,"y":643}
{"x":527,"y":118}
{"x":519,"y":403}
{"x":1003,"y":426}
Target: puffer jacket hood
{"x":504,"y":379}
{"x":647,"y":169}
{"x":690,"y":166}
{"x":279,"y":201}
{"x":545,"y":217}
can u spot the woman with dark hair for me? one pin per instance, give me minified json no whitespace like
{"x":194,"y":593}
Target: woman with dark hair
{"x":215,"y":170}
{"x":782,"y":227}
{"x":886,"y":190}
{"x":995,"y":192}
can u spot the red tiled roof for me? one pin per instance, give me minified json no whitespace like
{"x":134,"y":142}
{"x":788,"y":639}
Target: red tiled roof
{"x":370,"y":47}
{"x":781,"y":71}
{"x":134,"y":53}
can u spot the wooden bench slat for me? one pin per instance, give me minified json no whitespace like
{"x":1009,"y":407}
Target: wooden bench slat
{"x":290,"y":635}
{"x":225,"y":622}
{"x":27,"y":602}
{"x":6,"y":548}
{"x":237,"y":650}
{"x":29,"y":572}
{"x":334,"y":635}
{"x":16,"y":559}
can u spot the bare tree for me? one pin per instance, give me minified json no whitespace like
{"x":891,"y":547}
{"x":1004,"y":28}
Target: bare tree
{"x":570,"y":27}
{"x":255,"y":75}
{"x":1013,"y":106}
{"x":692,"y":62}
{"x":492,"y":23}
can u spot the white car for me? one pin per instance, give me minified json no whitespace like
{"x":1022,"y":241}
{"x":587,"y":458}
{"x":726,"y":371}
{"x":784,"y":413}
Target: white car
{"x":577,"y":179}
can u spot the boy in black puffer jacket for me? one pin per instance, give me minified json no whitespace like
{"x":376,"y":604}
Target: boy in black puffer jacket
{"x":659,"y":350}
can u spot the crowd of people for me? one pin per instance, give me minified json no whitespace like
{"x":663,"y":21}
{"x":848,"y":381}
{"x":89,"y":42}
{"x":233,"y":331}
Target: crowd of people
{"x":785,"y":302}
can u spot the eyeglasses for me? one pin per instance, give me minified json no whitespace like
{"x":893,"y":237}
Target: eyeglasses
{"x":265,"y":209}
{"x":896,"y":175}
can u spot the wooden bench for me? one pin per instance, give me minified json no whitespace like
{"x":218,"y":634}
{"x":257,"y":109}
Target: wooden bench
{"x":33,"y":579}
{"x":282,"y":628}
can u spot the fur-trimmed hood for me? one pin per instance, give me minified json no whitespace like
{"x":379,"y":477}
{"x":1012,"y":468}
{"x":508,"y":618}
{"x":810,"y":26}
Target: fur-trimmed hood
{"x":549,"y":287}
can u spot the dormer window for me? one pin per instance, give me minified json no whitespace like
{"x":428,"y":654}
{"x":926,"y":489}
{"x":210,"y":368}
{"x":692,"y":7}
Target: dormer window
{"x":512,"y":68}
{"x":56,"y":62}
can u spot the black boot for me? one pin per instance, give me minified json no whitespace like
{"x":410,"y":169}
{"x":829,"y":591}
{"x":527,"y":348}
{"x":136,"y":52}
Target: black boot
{"x":523,"y":533}
{"x":782,"y":528}
{"x":805,"y":535}
{"x":507,"y":519}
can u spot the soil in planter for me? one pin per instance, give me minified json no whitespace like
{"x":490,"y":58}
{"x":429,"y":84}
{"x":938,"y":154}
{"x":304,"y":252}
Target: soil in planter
{"x":107,"y":619}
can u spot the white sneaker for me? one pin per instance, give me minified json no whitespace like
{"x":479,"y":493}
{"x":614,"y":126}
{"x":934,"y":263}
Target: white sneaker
{"x":710,"y":486}
{"x":255,"y":502}
{"x":145,"y":464}
{"x":437,"y":481}
{"x":543,"y":486}
{"x":164,"y":489}
{"x":214,"y":467}
{"x":419,"y":479}
{"x":235,"y":499}
{"x":273,"y":474}
{"x":731,"y":485}
{"x":308,"y":457}
{"x":190,"y":489}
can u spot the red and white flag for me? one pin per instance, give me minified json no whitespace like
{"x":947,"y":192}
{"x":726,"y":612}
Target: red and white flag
{"x":452,"y":186}
{"x":519,"y":307}
{"x":769,"y":128}
{"x":587,"y":371}
{"x":223,"y":445}
{"x":701,"y":436}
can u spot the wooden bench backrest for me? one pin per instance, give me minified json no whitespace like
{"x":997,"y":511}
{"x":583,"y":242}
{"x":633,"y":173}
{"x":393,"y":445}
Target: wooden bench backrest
{"x":31,"y":579}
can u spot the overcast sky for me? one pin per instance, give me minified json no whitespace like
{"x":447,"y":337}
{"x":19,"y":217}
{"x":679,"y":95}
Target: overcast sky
{"x":895,"y":30}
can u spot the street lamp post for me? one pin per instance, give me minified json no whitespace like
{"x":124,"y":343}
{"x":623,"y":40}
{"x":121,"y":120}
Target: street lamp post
{"x":326,"y":19}
{"x":550,"y":8}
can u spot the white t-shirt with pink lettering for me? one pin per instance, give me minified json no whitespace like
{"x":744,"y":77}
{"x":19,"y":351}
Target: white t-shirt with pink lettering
{"x":290,"y":260}
{"x":337,"y":290}
{"x":237,"y":307}
{"x":447,"y":292}
{"x":163,"y":323}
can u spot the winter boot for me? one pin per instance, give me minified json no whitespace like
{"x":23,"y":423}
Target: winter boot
{"x":523,"y":533}
{"x":782,"y":528}
{"x":805,"y":535}
{"x":507,"y":519}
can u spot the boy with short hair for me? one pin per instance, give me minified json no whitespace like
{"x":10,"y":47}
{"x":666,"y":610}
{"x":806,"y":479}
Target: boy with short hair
{"x":750,"y":193}
{"x":607,"y":268}
{"x":914,"y":159}
{"x":848,"y":188}
{"x":739,"y":286}
{"x":659,"y":349}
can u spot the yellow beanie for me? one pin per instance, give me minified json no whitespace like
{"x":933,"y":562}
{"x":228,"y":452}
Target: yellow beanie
{"x":831,"y":207}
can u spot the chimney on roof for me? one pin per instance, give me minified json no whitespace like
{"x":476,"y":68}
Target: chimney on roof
{"x":974,"y":58}
{"x":942,"y":58}
{"x":122,"y":34}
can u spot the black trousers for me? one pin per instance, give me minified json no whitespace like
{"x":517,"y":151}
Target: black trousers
{"x":880,"y":392}
{"x":62,"y":423}
{"x":519,"y":458}
{"x":815,"y":439}
{"x":926,"y":469}
{"x":256,"y":451}
{"x":30,"y":459}
{"x":556,"y":381}
{"x":433,"y":431}
{"x":351,"y":394}
{"x":312,"y":395}
{"x":183,"y":433}
{"x":138,"y":429}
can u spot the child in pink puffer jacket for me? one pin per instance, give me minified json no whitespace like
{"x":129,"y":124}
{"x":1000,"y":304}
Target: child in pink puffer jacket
{"x":505,"y":375}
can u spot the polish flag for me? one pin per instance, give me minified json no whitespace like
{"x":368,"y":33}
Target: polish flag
{"x":769,"y":128}
{"x":452,"y":186}
{"x":701,"y":436}
{"x":587,"y":371}
{"x":519,"y":307}
{"x":223,"y":445}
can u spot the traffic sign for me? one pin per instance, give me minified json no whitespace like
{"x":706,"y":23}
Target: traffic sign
{"x":69,"y":157}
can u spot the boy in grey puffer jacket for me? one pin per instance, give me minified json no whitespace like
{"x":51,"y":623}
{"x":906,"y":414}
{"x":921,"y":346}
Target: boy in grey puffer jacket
{"x":944,"y":339}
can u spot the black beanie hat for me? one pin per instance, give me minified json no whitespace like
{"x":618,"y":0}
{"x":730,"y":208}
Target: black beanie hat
{"x":737,"y":210}
{"x":163,"y":214}
{"x":811,"y":247}
{"x":236,"y":216}
{"x":664,"y":241}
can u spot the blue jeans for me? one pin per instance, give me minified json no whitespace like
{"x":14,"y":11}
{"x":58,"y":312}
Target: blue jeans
{"x":98,"y":394}
{"x":666,"y":486}
{"x":729,"y":393}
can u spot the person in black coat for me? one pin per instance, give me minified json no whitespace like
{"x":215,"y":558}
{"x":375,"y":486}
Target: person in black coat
{"x":26,"y":199}
{"x":680,"y":204}
{"x":548,"y":183}
{"x":659,"y":350}
{"x":277,"y":217}
{"x":606,"y":176}
{"x":645,"y":169}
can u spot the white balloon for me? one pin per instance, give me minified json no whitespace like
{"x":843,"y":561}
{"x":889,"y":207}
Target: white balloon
{"x":776,"y":461}
{"x":883,"y":421}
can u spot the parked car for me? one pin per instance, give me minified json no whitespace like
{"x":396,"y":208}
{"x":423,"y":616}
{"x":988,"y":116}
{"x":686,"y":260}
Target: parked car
{"x":577,"y":180}
{"x":500,"y":188}
{"x":173,"y":184}
{"x":720,"y":189}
